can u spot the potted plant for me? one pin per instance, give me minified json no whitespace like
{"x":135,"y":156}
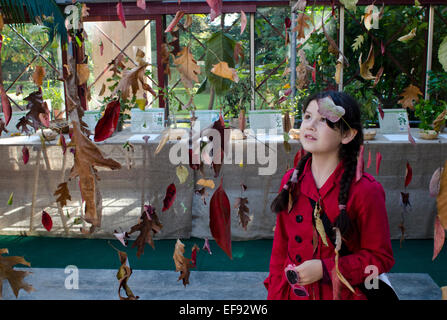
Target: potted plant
{"x":428,"y":111}
{"x":237,"y":99}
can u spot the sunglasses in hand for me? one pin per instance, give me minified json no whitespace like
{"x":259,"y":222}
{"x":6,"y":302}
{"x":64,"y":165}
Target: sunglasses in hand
{"x":293,"y":279}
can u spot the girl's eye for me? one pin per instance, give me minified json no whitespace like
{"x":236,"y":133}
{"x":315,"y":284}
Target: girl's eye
{"x":323,"y":119}
{"x":306,"y":116}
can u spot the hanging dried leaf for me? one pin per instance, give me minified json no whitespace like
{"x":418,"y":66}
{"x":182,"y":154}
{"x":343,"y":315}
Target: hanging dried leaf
{"x":338,"y":70}
{"x":378,"y":160}
{"x":238,"y":52}
{"x":366,"y":66}
{"x":439,"y":121}
{"x":64,"y":194}
{"x":220,"y":219}
{"x":120,"y":13}
{"x":106,"y":126}
{"x":410,"y":96}
{"x":194,"y":250}
{"x":147,"y":224}
{"x":83,"y":73}
{"x":171,"y":192}
{"x":216,"y":8}
{"x":182,"y":263}
{"x":349,"y":4}
{"x":435,"y":182}
{"x":163,"y":139}
{"x":25,"y":155}
{"x":378,"y":76}
{"x":408,"y":36}
{"x":337,"y":270}
{"x":123,"y":275}
{"x":206,"y":246}
{"x":87,"y":156}
{"x":301,"y":25}
{"x":438,"y":239}
{"x":357,"y":42}
{"x":122,"y":237}
{"x":62,"y":143}
{"x":178,"y":16}
{"x":410,"y":137}
{"x":38,"y":75}
{"x":131,"y":80}
{"x":14,"y":277}
{"x":39,"y":113}
{"x":103,"y":89}
{"x":408,"y":174}
{"x":241,"y":205}
{"x":182,"y":173}
{"x":187,"y":67}
{"x":302,"y":71}
{"x":243,"y":21}
{"x":223,"y":70}
{"x":101,"y":48}
{"x":47,"y":222}
{"x":369,"y":160}
{"x":202,"y":192}
{"x":141,"y":4}
{"x":441,"y":200}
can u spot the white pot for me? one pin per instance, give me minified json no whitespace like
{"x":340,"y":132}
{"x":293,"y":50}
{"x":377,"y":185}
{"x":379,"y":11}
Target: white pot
{"x":266,"y":120}
{"x":147,"y":121}
{"x":91,"y":118}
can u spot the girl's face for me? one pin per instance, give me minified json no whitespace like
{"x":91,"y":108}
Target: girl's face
{"x":315,"y":135}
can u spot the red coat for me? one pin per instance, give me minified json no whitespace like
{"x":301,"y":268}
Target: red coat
{"x":369,"y":243}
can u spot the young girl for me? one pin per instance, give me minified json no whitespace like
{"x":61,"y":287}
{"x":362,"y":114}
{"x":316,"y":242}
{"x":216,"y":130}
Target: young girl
{"x":320,"y":199}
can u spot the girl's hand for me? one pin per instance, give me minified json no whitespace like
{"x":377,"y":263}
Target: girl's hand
{"x":310,"y":271}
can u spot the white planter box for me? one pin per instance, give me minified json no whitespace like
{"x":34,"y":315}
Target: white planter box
{"x":15,"y":117}
{"x":147,"y":121}
{"x":265,"y":119}
{"x":91,"y":118}
{"x":206,"y":118}
{"x":394,"y":121}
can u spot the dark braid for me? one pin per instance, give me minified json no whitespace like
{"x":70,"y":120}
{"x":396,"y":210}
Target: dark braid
{"x":280,"y":203}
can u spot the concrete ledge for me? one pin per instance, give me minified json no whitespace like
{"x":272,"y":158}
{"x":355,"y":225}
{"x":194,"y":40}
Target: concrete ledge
{"x":101,"y":284}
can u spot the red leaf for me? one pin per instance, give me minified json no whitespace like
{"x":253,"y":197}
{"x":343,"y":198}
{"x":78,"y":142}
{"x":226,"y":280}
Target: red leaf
{"x":382,"y":48}
{"x":47,"y":222}
{"x":220,"y":219}
{"x":439,"y":238}
{"x":242,"y":120}
{"x":382,"y":114}
{"x":6,"y":105}
{"x":287,"y":22}
{"x":194,"y":255}
{"x":243,"y":21}
{"x":120,"y":13}
{"x":408,"y":175}
{"x":141,"y":4}
{"x":101,"y":48}
{"x":378,"y":160}
{"x":216,"y":8}
{"x":25,"y":155}
{"x":107,"y":124}
{"x":63,"y":143}
{"x":360,"y":164}
{"x":179,"y":15}
{"x":171,"y":192}
{"x":369,"y":160}
{"x":314,"y":72}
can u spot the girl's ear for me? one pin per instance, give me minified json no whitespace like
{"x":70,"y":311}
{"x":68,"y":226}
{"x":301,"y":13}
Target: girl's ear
{"x":348,"y":136}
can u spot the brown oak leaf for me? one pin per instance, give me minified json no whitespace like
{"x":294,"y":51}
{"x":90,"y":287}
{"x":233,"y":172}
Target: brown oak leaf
{"x":241,"y":205}
{"x":64,"y":194}
{"x":14,"y":277}
{"x":123,"y":275}
{"x":187,"y":67}
{"x":147,"y":224}
{"x":130,"y":80}
{"x":87,"y":155}
{"x":410,"y":96}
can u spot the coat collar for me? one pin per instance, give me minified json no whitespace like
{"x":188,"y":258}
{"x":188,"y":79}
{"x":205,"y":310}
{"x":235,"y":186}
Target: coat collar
{"x":307,"y":182}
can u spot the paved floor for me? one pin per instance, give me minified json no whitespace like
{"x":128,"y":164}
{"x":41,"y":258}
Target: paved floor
{"x":101,"y":284}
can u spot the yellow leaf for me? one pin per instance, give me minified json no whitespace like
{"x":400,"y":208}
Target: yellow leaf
{"x":408,"y":36}
{"x":338,"y":69}
{"x":182,"y":173}
{"x":366,"y":66}
{"x":286,"y":86}
{"x":319,"y":224}
{"x":223,"y":70}
{"x":338,"y":242}
{"x":410,"y":96}
{"x":164,"y":138}
{"x":83,"y":73}
{"x":38,"y":75}
{"x":206,"y":183}
{"x":187,"y":67}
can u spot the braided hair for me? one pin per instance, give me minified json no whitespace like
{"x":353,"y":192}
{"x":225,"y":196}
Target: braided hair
{"x":347,"y":152}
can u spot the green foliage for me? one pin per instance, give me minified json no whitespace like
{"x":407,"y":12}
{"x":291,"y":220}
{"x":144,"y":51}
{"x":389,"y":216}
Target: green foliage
{"x":427,"y":111}
{"x":238,"y":96}
{"x":54,"y":94}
